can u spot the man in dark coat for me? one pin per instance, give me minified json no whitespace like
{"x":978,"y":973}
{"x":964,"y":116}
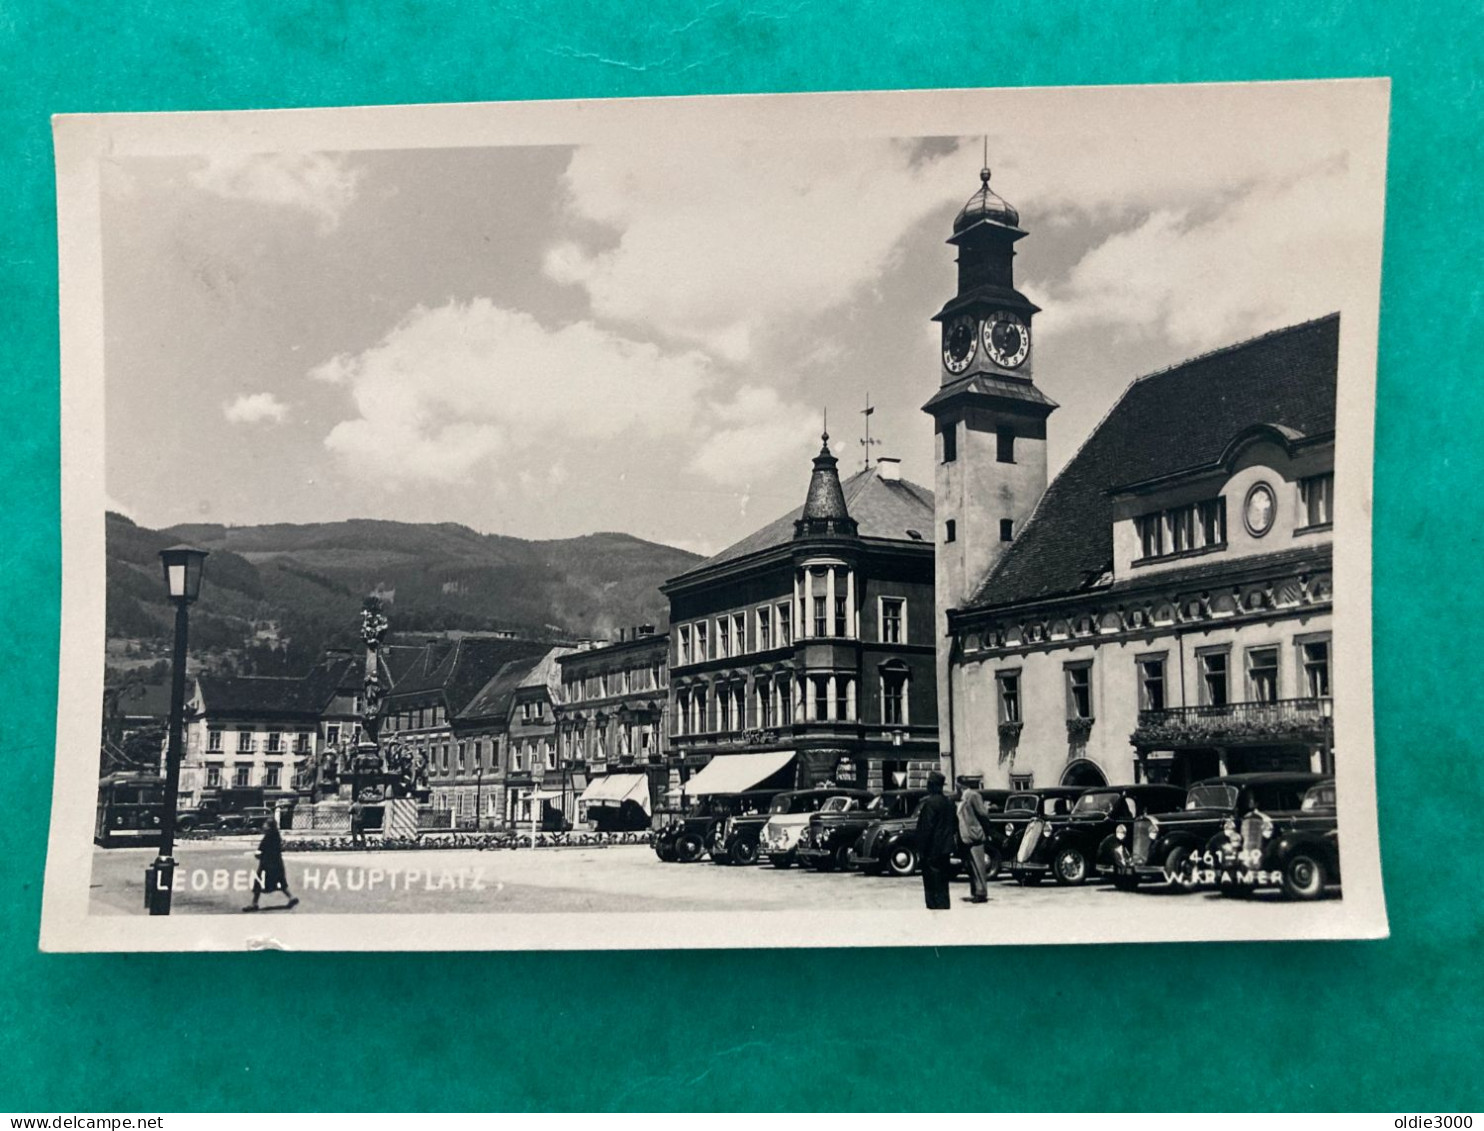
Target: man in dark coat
{"x":270,"y":874}
{"x":937,"y":831}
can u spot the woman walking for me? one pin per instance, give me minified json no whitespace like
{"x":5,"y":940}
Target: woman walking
{"x":270,"y":874}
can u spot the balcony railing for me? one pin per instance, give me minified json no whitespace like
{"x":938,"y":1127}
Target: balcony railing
{"x":1295,"y":720}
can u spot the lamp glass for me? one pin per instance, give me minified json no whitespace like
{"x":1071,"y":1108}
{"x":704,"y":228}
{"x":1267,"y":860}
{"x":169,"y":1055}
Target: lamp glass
{"x":183,"y":568}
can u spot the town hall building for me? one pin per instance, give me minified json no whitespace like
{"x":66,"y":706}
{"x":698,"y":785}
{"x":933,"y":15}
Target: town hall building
{"x":1163,"y":610}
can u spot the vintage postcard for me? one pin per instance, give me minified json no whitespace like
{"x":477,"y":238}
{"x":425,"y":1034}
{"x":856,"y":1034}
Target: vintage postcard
{"x":823,"y":520}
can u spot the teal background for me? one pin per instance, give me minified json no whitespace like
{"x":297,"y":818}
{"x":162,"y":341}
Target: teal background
{"x":1389,"y":1025}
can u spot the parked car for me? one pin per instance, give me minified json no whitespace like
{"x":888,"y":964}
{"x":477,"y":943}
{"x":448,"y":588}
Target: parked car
{"x":890,"y":845}
{"x":1161,"y":847}
{"x":1069,"y":847}
{"x":828,"y":843}
{"x":1297,"y":850}
{"x":233,"y":809}
{"x":790,"y":817}
{"x":1020,"y":809}
{"x":734,"y":838}
{"x":683,"y":838}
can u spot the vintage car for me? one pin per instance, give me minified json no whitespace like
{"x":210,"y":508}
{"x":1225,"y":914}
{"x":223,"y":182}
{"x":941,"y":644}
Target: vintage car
{"x":1069,"y":847}
{"x":683,"y":838}
{"x":828,"y":844}
{"x":1020,"y":809}
{"x":1161,"y":847}
{"x":790,"y":817}
{"x":890,"y":845}
{"x":734,"y":838}
{"x":1297,"y":851}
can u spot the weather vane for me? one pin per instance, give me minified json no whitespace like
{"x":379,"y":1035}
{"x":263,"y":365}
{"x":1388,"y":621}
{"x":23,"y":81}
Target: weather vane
{"x":867,"y":442}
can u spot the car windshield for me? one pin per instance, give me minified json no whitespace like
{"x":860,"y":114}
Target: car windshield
{"x":1211,"y":797}
{"x":1320,"y":797}
{"x":798,"y":802}
{"x":1095,"y":805}
{"x":838,"y":805}
{"x":1056,"y":806}
{"x":1022,"y":803}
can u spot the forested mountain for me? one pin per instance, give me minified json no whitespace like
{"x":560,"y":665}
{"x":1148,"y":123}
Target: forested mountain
{"x":275,"y":596}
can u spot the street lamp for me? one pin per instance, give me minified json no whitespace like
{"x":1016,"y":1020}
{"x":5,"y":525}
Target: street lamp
{"x":182,"y":566}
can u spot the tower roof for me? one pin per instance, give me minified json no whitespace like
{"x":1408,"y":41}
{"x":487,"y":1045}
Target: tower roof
{"x":986,"y":204}
{"x":824,"y":511}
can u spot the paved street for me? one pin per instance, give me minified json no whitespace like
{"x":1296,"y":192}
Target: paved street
{"x":216,"y":877}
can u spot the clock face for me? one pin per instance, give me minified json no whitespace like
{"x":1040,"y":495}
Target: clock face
{"x":1007,"y":339}
{"x":958,"y":344}
{"x":1259,"y":509}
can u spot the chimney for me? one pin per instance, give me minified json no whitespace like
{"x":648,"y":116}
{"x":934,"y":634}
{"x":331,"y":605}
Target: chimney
{"x":644,"y":630}
{"x":889,"y":469}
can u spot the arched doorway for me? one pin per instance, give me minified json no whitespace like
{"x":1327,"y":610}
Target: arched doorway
{"x":1083,"y":772}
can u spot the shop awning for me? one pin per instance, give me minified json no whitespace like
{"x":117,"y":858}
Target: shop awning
{"x":615,"y":789}
{"x":733,"y":773}
{"x":540,"y":794}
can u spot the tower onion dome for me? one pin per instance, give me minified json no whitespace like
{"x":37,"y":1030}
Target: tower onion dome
{"x":824,"y":508}
{"x":986,"y":205}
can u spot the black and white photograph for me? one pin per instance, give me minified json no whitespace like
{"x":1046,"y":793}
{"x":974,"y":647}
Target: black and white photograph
{"x":923,"y":518}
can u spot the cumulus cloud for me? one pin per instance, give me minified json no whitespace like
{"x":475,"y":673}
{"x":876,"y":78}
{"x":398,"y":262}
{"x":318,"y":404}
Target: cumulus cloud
{"x":450,"y":387}
{"x":255,"y":408}
{"x":718,"y":243}
{"x":752,"y":434}
{"x":1272,"y":254}
{"x":318,"y":183}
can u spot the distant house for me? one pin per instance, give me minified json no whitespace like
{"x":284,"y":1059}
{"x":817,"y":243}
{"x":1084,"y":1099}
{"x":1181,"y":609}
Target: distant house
{"x":265,"y":731}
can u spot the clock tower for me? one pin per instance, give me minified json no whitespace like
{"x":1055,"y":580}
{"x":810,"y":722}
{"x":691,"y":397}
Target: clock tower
{"x":989,"y":416}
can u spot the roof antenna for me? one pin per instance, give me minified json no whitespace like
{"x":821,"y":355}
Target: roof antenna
{"x":868,"y":443}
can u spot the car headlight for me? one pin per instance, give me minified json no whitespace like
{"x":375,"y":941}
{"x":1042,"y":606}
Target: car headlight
{"x":1229,"y":827}
{"x":1121,"y":832}
{"x":1009,"y":828}
{"x":1267,"y":828}
{"x":1153,"y":828}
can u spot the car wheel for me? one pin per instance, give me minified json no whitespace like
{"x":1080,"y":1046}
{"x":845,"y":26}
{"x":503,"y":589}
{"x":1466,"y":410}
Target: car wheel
{"x":843,"y":860}
{"x":994,"y":863}
{"x":744,"y":852}
{"x":783,"y":861}
{"x":902,"y":860}
{"x":1303,"y":877}
{"x":688,"y":848}
{"x":1126,"y":883}
{"x":1069,"y":867}
{"x":1176,"y":867}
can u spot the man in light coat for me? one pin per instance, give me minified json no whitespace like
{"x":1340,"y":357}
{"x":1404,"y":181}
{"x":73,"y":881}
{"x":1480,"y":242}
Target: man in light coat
{"x":972,"y":818}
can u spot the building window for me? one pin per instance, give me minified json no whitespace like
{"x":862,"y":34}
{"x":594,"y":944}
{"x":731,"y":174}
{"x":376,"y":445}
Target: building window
{"x":275,"y":742}
{"x":1213,"y":679}
{"x":332,"y":734}
{"x":1182,"y":529}
{"x":682,"y":711}
{"x":723,"y":711}
{"x":1317,"y":498}
{"x":820,"y":686}
{"x":1009,"y":694}
{"x":1151,"y":529}
{"x":548,"y":755}
{"x":301,"y":742}
{"x":950,"y":441}
{"x":1316,"y":668}
{"x":821,"y":623}
{"x":739,"y":707}
{"x":682,"y":644}
{"x":1262,"y":675}
{"x":517,"y":756}
{"x":213,"y":777}
{"x":445,"y":757}
{"x":723,"y":636}
{"x":764,"y":629}
{"x":1079,"y":690}
{"x":463,"y":763}
{"x":1007,"y":530}
{"x":241,"y":776}
{"x":271,"y":777}
{"x":1020,"y":783}
{"x":785,"y":625}
{"x":700,"y":643}
{"x":1004,"y":445}
{"x":1152,"y":684}
{"x":245,"y":742}
{"x":894,"y":698}
{"x":214,"y":738}
{"x":840,"y":629}
{"x":893,"y":618}
{"x":1211,"y":515}
{"x":739,"y":633}
{"x":950,"y":531}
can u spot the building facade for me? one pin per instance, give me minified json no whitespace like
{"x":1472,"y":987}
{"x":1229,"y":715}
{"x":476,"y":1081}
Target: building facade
{"x":814,"y":635}
{"x":612,"y":713}
{"x":1164,"y":611}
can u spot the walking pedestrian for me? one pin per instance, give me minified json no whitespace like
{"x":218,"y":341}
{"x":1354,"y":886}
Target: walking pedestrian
{"x":973,"y":816}
{"x":270,"y":874}
{"x":937,"y":825}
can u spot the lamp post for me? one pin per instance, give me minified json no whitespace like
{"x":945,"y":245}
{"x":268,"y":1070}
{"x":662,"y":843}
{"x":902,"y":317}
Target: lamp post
{"x":1327,"y":709}
{"x":182,"y":566}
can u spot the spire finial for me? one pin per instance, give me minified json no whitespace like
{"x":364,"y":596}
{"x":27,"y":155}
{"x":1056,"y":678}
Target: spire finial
{"x":824,"y":435}
{"x":984,"y":169}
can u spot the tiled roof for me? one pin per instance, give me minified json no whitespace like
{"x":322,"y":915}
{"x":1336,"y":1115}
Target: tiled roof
{"x":278,"y":696}
{"x":882,"y":508}
{"x":1175,"y":420}
{"x":398,"y":659}
{"x":461,"y":668}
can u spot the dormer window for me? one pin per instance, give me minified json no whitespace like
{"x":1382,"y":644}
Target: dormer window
{"x":1189,"y":529}
{"x":1317,"y":499}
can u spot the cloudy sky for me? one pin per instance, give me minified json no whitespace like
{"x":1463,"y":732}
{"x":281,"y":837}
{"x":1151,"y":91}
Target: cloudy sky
{"x":644,"y":334}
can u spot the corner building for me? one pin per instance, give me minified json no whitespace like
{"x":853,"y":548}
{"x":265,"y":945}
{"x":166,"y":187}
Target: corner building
{"x":805,"y":652}
{"x":1163,"y":612}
